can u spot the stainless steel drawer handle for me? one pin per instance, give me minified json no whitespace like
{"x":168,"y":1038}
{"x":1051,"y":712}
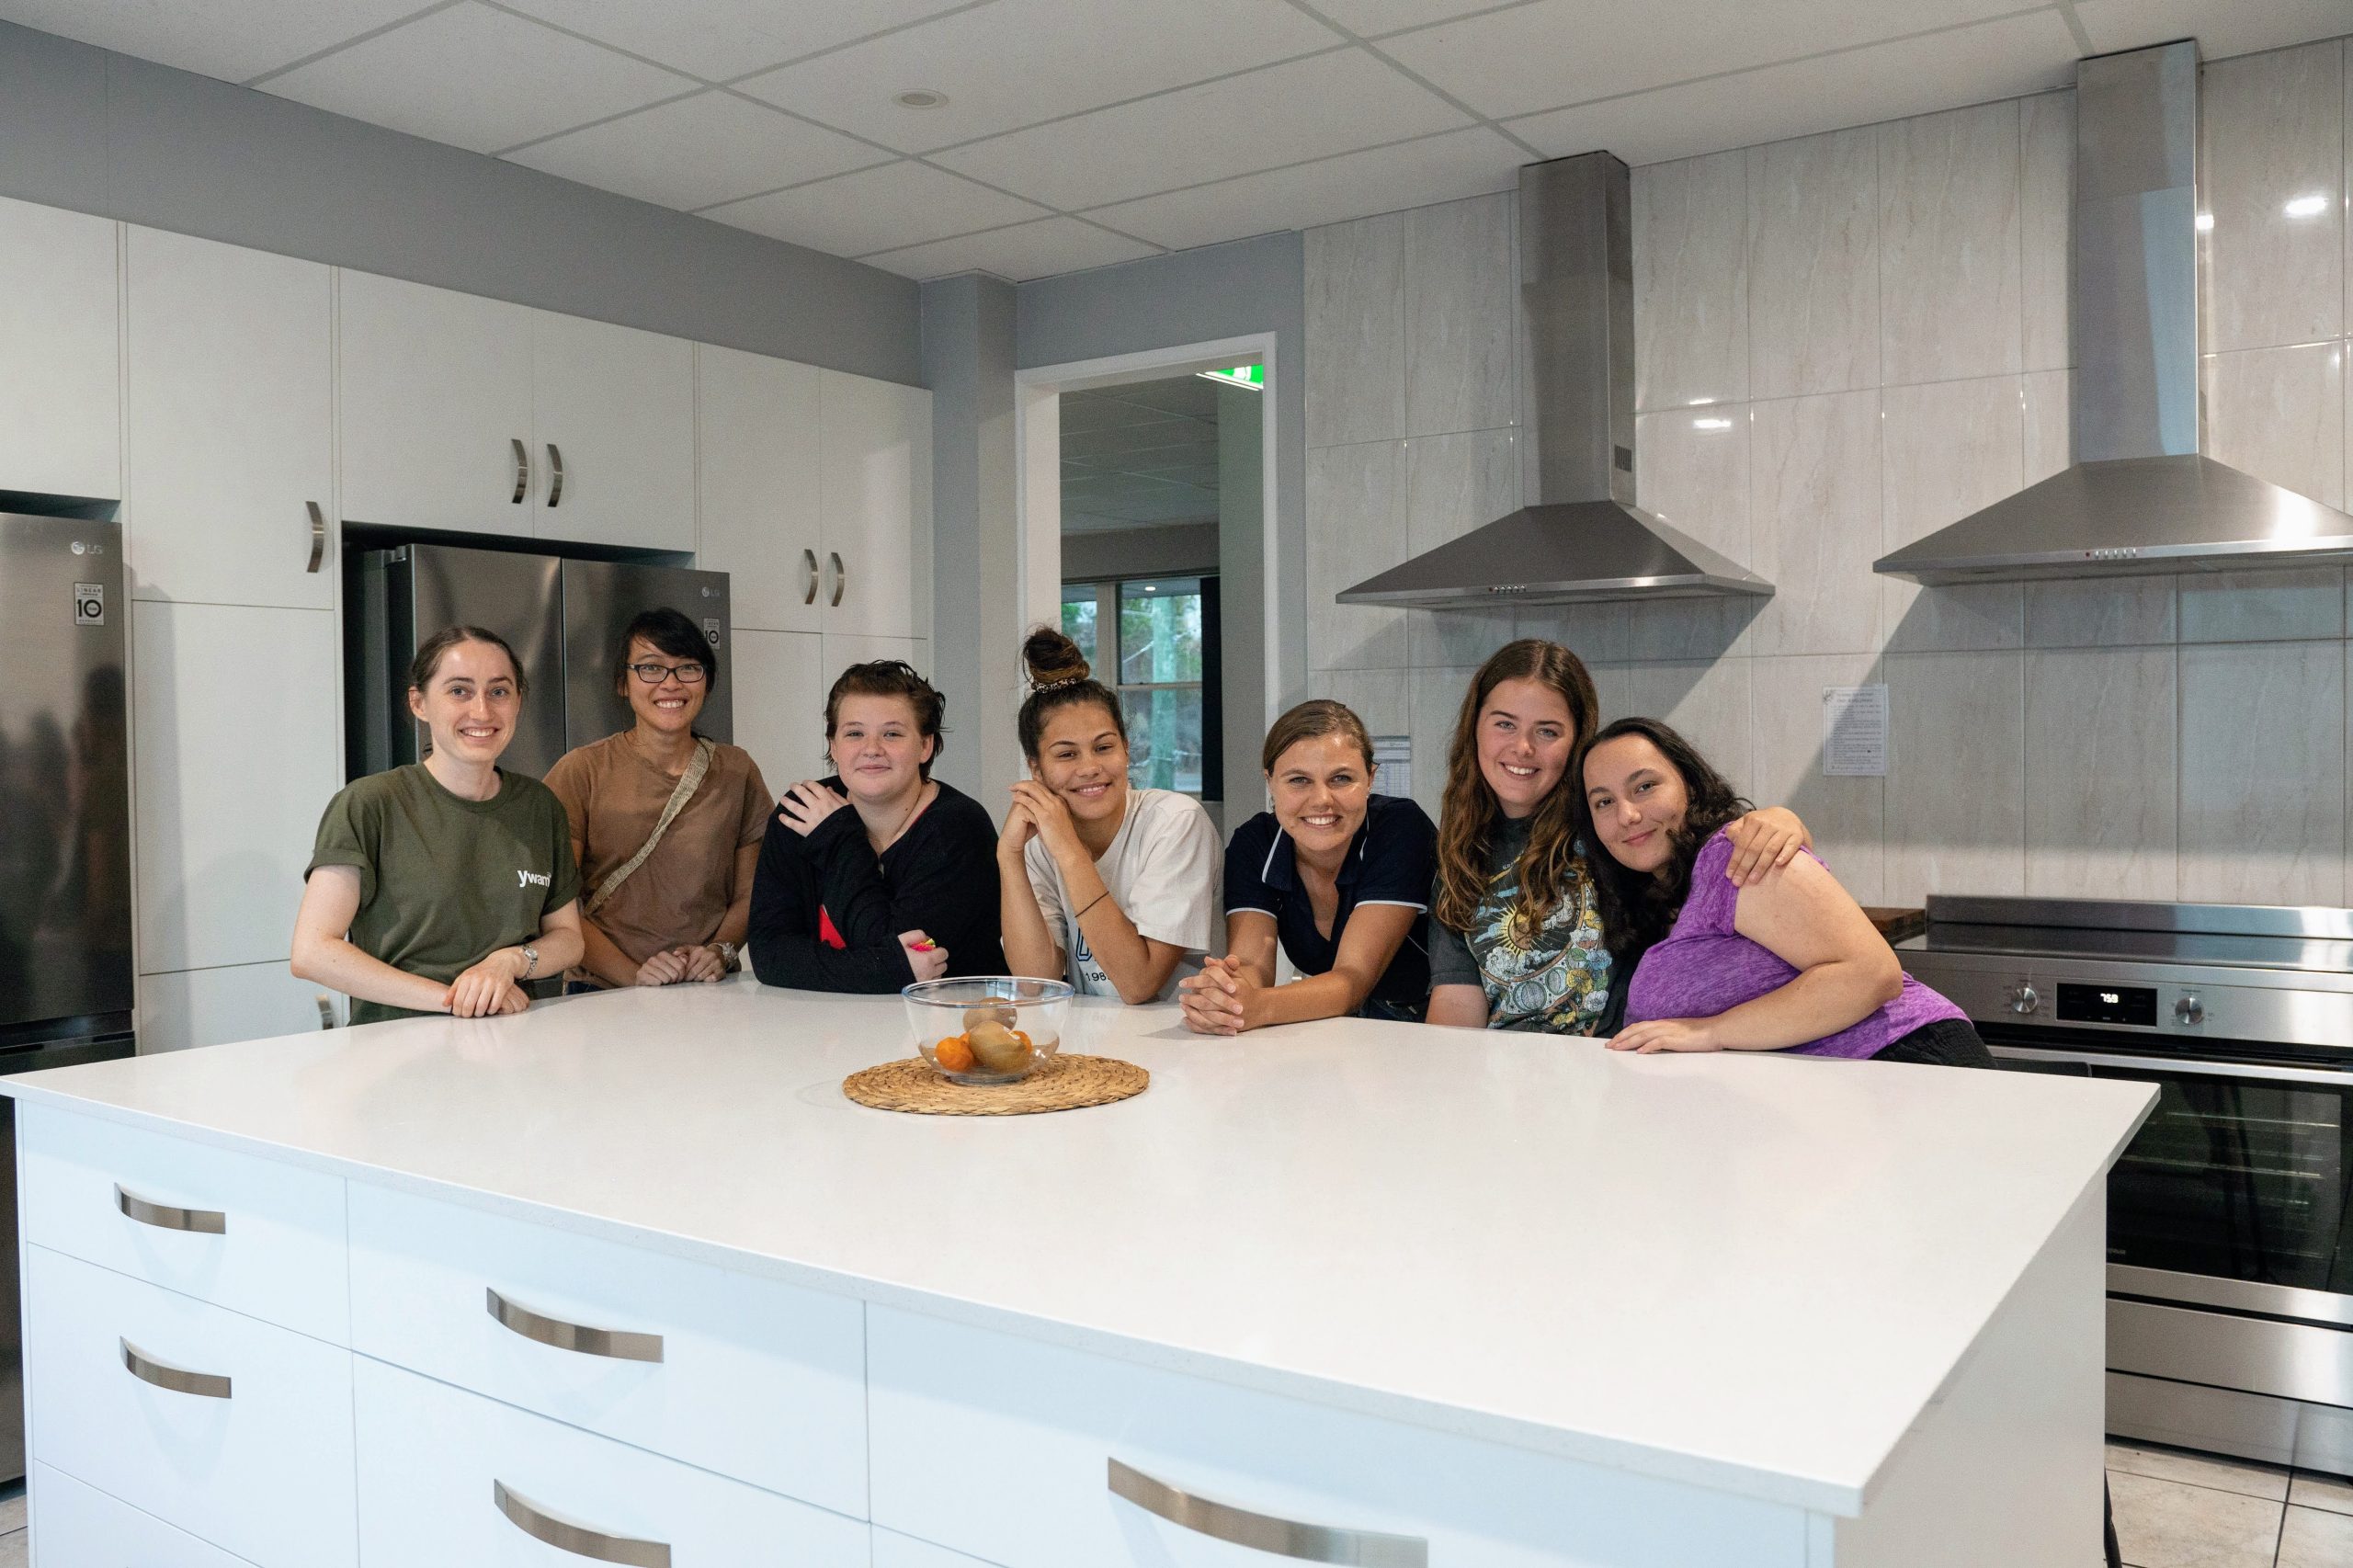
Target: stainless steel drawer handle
{"x":164,"y":1217}
{"x":841,"y":574}
{"x":164,"y":1375}
{"x":522,"y":470}
{"x":809,"y":565}
{"x":1284,"y":1538}
{"x":555,"y":475}
{"x":618,"y":1343}
{"x":318,"y":536}
{"x":578,"y":1539}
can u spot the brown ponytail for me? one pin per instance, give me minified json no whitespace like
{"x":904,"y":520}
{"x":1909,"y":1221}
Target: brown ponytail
{"x":1059,"y":678}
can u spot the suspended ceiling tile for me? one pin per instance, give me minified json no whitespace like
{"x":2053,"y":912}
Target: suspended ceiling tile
{"x":234,"y":43}
{"x":1371,"y":18}
{"x":1187,"y":395}
{"x":1086,"y":411}
{"x":2222,"y":27}
{"x":477,"y":78}
{"x":1018,"y":253}
{"x":713,"y":147}
{"x":1454,"y":164}
{"x":899,"y":204}
{"x":725,"y":39}
{"x":1556,"y":53}
{"x":1305,"y":108}
{"x":1994,"y":59}
{"x":1017,"y":63}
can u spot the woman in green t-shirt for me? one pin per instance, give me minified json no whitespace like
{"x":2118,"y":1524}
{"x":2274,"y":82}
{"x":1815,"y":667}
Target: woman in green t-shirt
{"x":441,"y":886}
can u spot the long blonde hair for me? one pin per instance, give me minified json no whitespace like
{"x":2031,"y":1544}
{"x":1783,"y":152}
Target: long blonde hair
{"x":1467,"y":816}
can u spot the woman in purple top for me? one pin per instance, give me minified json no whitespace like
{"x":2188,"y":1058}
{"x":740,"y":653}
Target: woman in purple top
{"x":1789,"y":963}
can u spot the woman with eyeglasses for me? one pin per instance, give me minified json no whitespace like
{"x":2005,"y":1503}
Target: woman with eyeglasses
{"x":666,"y":822}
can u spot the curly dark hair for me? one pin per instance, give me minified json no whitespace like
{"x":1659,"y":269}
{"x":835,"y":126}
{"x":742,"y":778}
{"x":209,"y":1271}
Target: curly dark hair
{"x":1639,"y":907}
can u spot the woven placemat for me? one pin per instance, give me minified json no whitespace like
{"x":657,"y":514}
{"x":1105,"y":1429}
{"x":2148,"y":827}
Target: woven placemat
{"x":1061,"y":1082}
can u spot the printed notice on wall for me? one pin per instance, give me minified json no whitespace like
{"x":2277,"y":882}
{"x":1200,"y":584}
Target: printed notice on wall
{"x":1854,"y":731}
{"x":1392,"y":762}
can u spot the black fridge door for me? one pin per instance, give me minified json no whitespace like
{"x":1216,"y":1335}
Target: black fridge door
{"x":600,"y":598}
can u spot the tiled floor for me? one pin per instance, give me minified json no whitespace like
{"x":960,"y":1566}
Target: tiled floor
{"x":2176,"y":1509}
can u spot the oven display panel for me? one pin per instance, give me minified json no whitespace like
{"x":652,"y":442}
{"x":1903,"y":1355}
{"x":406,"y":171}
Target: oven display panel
{"x":2134,"y":1005}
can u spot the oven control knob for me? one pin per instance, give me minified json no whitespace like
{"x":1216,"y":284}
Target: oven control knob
{"x":2189,"y":1009}
{"x":2024,"y":1000}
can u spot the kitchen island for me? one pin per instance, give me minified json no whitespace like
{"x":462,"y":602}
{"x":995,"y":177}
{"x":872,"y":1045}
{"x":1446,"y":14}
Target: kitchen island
{"x":627,"y":1279}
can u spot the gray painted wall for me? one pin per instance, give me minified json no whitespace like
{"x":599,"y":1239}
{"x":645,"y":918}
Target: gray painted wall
{"x":1169,"y":550}
{"x":101,"y":132}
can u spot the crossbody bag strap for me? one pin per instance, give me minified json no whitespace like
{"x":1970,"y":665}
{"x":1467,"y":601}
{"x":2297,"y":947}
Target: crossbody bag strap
{"x":698,"y":766}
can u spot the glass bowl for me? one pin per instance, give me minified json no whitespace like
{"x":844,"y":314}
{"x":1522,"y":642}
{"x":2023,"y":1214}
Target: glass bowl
{"x":986,"y":1029}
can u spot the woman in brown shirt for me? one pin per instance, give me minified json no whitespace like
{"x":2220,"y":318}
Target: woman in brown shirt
{"x":679,"y":912}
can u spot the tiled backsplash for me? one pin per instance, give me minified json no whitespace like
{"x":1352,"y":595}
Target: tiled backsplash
{"x":1844,"y":342}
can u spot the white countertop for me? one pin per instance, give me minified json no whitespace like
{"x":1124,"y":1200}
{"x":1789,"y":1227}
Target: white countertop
{"x":1749,"y":1273}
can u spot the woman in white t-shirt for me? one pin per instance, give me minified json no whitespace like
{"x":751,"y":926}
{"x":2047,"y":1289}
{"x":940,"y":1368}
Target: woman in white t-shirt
{"x":1113,"y":888}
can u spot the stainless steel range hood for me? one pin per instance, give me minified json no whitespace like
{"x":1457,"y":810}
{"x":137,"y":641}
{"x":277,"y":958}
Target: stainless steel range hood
{"x":1583,"y":538}
{"x":2140,"y":497}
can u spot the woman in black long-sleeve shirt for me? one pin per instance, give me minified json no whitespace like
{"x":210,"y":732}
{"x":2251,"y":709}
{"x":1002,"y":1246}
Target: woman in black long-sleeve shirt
{"x":882,"y":874}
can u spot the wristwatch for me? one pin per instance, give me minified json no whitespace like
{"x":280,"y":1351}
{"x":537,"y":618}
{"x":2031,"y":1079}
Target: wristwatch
{"x":530,"y":961}
{"x":727,"y":959}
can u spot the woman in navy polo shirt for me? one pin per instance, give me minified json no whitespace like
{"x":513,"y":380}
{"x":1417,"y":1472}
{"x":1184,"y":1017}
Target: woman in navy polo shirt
{"x":1338,"y":875}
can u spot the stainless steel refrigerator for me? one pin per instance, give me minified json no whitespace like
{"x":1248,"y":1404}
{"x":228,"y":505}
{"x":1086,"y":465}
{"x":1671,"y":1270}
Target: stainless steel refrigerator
{"x":65,"y":960}
{"x":563,"y":617}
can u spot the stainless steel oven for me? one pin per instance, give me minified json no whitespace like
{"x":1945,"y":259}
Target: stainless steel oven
{"x":2230,"y":1216}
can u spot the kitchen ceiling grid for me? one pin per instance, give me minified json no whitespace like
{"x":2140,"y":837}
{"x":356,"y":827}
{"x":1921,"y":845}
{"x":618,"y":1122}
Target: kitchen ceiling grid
{"x":1140,"y":454}
{"x":1076,"y":133}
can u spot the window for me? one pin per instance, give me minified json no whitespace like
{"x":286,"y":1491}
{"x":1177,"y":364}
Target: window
{"x":1160,"y":654}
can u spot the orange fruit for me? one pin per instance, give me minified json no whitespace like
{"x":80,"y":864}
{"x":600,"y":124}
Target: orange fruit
{"x":954,"y":1055}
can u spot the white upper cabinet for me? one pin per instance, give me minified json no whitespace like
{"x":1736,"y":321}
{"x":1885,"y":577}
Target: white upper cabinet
{"x":875,"y":488}
{"x":60,"y":353}
{"x":615,"y":416}
{"x":435,"y":413}
{"x":230,"y":417}
{"x":756,"y":431}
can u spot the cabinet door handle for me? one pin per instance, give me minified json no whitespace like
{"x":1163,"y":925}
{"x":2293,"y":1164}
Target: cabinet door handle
{"x":618,"y":1343}
{"x":841,"y":576}
{"x":1262,"y":1532}
{"x":555,"y":475}
{"x":522,"y":470}
{"x":318,"y":536}
{"x":578,"y":1539}
{"x":164,"y":1375}
{"x":809,"y":565}
{"x":164,"y":1217}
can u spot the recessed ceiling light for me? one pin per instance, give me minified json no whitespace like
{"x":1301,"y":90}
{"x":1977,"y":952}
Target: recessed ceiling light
{"x":919,"y":98}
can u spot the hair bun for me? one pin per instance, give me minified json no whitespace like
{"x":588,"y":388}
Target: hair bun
{"x":1052,"y":659}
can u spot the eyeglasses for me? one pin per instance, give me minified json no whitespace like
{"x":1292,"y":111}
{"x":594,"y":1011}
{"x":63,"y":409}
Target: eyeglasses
{"x":654,"y":675}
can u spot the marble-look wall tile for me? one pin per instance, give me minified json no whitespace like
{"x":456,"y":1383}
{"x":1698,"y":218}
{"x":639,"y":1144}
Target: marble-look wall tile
{"x":1690,"y":220}
{"x":1461,"y":317}
{"x":1437,"y":702}
{"x":1946,"y":449}
{"x":1956,"y":776}
{"x":1847,"y":816}
{"x":2046,"y":226}
{"x":2100,"y":809}
{"x":1453,"y":485}
{"x":2047,"y":397}
{"x":1708,"y":703}
{"x":2273,"y":177}
{"x":2280,"y":413}
{"x":1382,"y":700}
{"x":2262,"y":607}
{"x":2098,"y":612}
{"x":1356,"y":330}
{"x":1691,"y":469}
{"x":2263,"y":773}
{"x":1356,"y":526}
{"x":1949,"y":196}
{"x":1813,"y":289}
{"x":1814,"y":509}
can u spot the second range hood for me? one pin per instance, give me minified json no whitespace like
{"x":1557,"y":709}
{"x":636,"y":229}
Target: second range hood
{"x":1583,"y":538}
{"x":2140,"y":497}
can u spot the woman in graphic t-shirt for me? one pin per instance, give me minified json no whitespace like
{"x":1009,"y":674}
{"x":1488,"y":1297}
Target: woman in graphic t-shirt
{"x":443,"y":886}
{"x":1115,"y":887}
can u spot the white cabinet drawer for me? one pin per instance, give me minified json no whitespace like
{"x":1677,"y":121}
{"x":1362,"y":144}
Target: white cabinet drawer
{"x":892,"y":1550}
{"x":255,"y":1456}
{"x":756,"y":1378}
{"x":81,"y":1527}
{"x":271,"y":1244}
{"x":1002,"y":1448}
{"x":448,"y":1477}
